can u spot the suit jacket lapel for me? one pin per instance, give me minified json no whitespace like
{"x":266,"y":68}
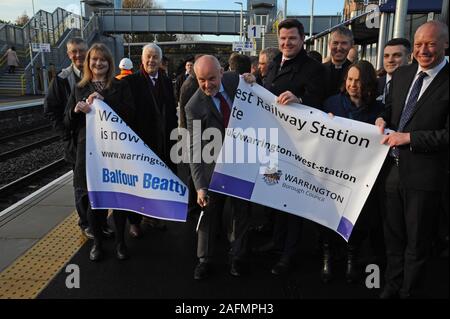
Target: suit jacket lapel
{"x":403,"y":93}
{"x":212,"y":107}
{"x":437,"y":82}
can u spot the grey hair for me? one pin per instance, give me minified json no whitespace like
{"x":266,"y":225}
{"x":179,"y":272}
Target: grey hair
{"x":152,"y":46}
{"x":270,"y":52}
{"x":76,"y":41}
{"x":346,"y":32}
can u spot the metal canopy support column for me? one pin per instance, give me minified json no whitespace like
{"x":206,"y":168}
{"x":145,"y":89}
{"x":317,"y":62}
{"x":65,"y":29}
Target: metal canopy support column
{"x":401,"y":10}
{"x":444,"y":12}
{"x":381,"y":40}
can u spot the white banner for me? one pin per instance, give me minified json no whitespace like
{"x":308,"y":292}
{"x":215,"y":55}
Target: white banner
{"x":320,"y":168}
{"x":124,"y":173}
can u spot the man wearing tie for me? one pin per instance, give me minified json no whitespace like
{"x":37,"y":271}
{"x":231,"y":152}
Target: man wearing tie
{"x":155,"y":116}
{"x":397,"y":52}
{"x":416,"y":168}
{"x":210,"y":107}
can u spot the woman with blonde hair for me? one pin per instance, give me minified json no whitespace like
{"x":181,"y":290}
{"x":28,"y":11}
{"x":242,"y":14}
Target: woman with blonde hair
{"x":97,"y":83}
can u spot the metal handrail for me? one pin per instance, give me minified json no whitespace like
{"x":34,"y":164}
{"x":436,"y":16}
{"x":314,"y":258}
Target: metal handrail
{"x":25,"y":30}
{"x":102,"y":11}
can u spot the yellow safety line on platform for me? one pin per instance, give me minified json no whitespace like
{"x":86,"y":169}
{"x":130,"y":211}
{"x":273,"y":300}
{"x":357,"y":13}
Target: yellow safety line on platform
{"x":30,"y":273}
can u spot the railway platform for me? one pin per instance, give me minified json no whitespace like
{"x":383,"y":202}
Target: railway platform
{"x":40,"y":245}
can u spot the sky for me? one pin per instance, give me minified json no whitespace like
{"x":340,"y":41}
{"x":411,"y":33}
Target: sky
{"x":11,"y":9}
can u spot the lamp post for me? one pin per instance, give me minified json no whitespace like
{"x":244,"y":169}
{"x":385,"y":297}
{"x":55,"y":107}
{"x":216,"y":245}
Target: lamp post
{"x":41,"y":40}
{"x":81,"y":19}
{"x":240,"y":20}
{"x":311,"y":19}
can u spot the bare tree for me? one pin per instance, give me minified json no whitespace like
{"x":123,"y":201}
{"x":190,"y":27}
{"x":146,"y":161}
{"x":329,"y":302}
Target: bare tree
{"x":145,"y":37}
{"x":138,"y":4}
{"x":22,"y":19}
{"x":187,"y":37}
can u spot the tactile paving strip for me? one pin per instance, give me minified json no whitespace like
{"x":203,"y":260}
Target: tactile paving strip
{"x":31,"y":272}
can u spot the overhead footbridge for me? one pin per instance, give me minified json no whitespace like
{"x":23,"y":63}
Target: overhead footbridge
{"x":215,"y":22}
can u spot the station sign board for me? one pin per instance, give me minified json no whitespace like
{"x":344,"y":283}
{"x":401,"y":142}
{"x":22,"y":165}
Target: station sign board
{"x":40,"y":47}
{"x":244,"y":46}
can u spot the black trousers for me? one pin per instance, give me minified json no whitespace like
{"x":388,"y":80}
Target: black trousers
{"x":237,"y":228}
{"x":286,"y":233}
{"x":408,"y":230}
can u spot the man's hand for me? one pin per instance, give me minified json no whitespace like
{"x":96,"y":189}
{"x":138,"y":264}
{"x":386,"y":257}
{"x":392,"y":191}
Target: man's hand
{"x":287,"y":98}
{"x":249,"y":78}
{"x":202,"y":197}
{"x":396,"y":139}
{"x":381,"y":124}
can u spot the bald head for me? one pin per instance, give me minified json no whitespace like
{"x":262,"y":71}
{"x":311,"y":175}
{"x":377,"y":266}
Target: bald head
{"x":207,"y":61}
{"x":209,"y":74}
{"x":430,"y":43}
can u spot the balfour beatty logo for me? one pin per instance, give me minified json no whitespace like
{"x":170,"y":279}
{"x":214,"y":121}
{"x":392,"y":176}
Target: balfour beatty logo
{"x":149,"y":181}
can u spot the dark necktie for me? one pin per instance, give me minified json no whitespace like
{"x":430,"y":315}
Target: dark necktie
{"x":386,"y":90}
{"x":410,"y":106}
{"x":282,"y":62}
{"x":224,"y":109}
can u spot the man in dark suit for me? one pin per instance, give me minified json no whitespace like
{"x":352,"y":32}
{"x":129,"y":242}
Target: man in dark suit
{"x":340,"y":43}
{"x":294,"y":78}
{"x":156,"y":115}
{"x":188,"y":70}
{"x":210,"y":107}
{"x":397,"y":52}
{"x":416,"y":168}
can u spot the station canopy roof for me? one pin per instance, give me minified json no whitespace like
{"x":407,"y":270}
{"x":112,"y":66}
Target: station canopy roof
{"x":414,"y":6}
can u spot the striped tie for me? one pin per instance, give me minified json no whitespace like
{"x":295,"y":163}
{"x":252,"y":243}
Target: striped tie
{"x":410,"y":106}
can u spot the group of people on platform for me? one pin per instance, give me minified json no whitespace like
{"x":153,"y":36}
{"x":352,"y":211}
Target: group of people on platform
{"x":410,"y":97}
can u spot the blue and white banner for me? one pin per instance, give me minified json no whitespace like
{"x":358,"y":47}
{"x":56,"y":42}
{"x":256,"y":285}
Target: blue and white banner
{"x":320,"y":168}
{"x":124,"y":173}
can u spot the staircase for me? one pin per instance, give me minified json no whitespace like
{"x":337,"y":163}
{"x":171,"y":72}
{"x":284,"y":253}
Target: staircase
{"x":11,"y":84}
{"x":271,"y":40}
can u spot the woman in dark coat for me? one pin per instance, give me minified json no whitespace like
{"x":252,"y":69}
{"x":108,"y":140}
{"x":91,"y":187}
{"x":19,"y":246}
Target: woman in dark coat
{"x":357,"y":101}
{"x":97,"y":82}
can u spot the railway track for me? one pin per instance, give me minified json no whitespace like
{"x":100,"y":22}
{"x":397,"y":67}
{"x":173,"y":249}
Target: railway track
{"x":25,"y":181}
{"x":23,"y":149}
{"x":12,"y":137}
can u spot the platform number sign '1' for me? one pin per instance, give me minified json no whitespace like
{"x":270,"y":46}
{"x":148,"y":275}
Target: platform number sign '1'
{"x":254,"y":31}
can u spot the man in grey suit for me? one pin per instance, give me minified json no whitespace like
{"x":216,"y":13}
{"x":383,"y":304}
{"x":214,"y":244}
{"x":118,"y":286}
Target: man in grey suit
{"x":210,"y":107}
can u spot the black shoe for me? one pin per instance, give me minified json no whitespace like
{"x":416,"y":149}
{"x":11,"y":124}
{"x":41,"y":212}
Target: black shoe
{"x":235,"y":268}
{"x":96,"y":252}
{"x":281,"y":267}
{"x":107,"y":231}
{"x":201,"y":271}
{"x":88,"y":233}
{"x":389,"y":293}
{"x":122,"y":252}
